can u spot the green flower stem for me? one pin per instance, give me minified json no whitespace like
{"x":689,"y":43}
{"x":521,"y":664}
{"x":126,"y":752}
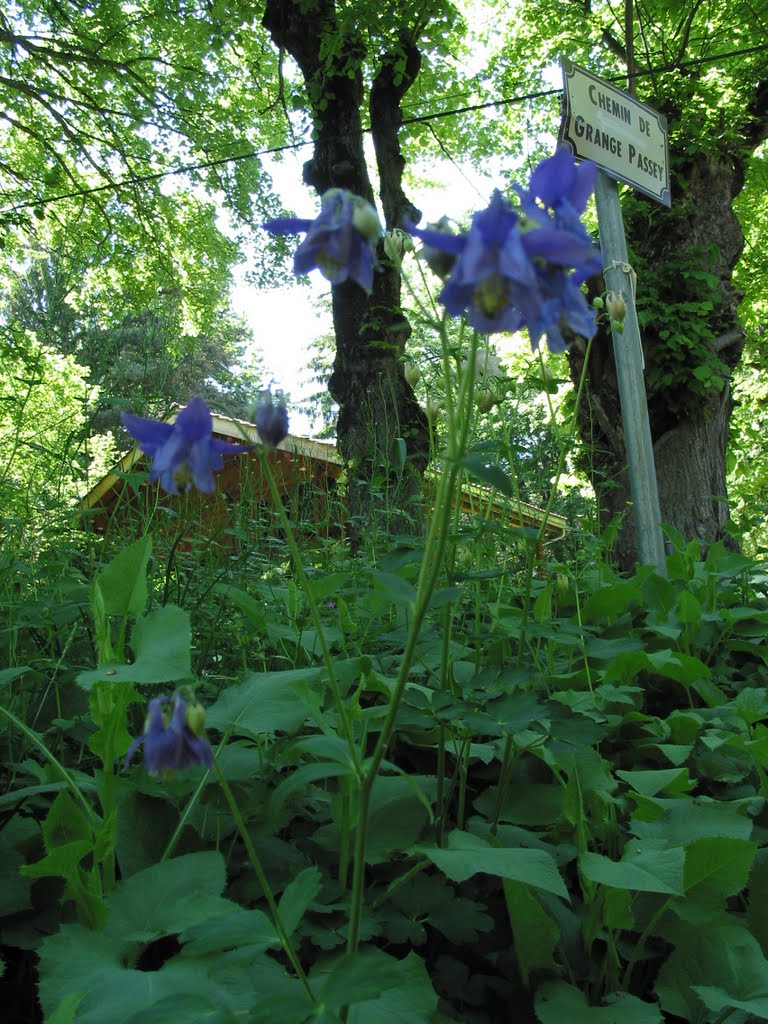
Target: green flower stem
{"x":431,"y":568}
{"x":346,"y":727}
{"x":285,"y":940}
{"x":564,"y":449}
{"x":49,"y":756}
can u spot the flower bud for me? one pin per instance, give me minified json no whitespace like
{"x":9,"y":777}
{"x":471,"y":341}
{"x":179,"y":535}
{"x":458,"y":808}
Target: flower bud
{"x":439,"y":262}
{"x":271,"y":419}
{"x":195,"y":718}
{"x":412,"y":374}
{"x":396,"y":243}
{"x":366,"y":220}
{"x":432,"y":409}
{"x":485,"y":400}
{"x":615,"y":306}
{"x":597,"y":302}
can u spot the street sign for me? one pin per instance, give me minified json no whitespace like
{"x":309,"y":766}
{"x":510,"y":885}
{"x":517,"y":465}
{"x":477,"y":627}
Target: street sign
{"x":624,"y":137}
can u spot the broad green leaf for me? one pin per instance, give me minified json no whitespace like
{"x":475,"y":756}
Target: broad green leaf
{"x":77,"y":960}
{"x":66,"y":1010}
{"x":236,"y":928}
{"x":721,"y":966}
{"x":467,"y":855}
{"x":184,"y":1008}
{"x":327,"y":586}
{"x":651,"y":782}
{"x":718,"y":864}
{"x":168,"y":898}
{"x":398,"y":590}
{"x":682,"y":820}
{"x":262,"y":703}
{"x":560,"y":1003}
{"x":360,"y":977}
{"x":758,"y":901}
{"x":460,"y":920}
{"x":412,"y":1001}
{"x":397,"y":815}
{"x":536,"y":934}
{"x":7,"y":675}
{"x":490,"y":473}
{"x":255,"y":610}
{"x":122,"y":585}
{"x":644,"y":870}
{"x":161,"y":644}
{"x":297,"y":896}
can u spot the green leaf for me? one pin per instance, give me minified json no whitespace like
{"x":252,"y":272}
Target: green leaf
{"x":168,"y":898}
{"x":651,"y":782}
{"x":327,"y":586}
{"x":77,"y":961}
{"x":66,"y":1010}
{"x":490,"y":473}
{"x":297,"y":896}
{"x":718,"y":864}
{"x":560,"y":1003}
{"x":398,"y":590}
{"x":185,"y":1008}
{"x":720,"y":966}
{"x":640,"y":869}
{"x":359,"y":977}
{"x":266,"y":702}
{"x":397,"y":815}
{"x":122,"y":585}
{"x":9,"y":674}
{"x":161,"y":643}
{"x":536,"y":934}
{"x":412,"y":1001}
{"x":236,"y":928}
{"x":467,"y":855}
{"x":758,"y":901}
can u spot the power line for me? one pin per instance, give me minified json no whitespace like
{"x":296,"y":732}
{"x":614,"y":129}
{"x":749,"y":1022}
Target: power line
{"x":143,"y":179}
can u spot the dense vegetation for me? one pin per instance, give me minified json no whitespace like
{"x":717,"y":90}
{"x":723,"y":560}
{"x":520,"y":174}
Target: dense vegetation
{"x":392,"y":745}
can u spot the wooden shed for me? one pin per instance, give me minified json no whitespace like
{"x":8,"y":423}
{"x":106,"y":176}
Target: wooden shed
{"x":306,"y":472}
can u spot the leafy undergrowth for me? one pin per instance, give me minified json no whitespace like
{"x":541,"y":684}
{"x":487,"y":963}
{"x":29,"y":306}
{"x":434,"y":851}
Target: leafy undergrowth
{"x":567,"y":824}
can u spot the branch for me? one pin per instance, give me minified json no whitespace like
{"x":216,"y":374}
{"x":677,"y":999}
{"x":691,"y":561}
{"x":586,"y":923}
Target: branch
{"x":732,"y":337}
{"x":399,"y":70}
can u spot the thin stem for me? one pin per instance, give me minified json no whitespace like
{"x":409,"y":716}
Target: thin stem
{"x":346,"y":728}
{"x":548,"y":508}
{"x":72,"y":785}
{"x":431,"y":568}
{"x":285,"y":940}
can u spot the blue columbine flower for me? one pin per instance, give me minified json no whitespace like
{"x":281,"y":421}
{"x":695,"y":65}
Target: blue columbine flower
{"x":518,"y":269}
{"x":340,"y":242}
{"x":553,"y":203}
{"x":170,"y":743}
{"x":271,"y":419}
{"x":183,"y":453}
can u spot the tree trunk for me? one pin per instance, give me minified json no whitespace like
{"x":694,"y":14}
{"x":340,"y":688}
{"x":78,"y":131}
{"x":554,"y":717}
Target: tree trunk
{"x":692,"y":341}
{"x":376,"y":404}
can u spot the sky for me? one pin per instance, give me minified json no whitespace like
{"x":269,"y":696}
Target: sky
{"x":285,"y":321}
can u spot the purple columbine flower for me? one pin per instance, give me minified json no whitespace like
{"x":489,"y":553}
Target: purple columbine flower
{"x":553,"y":203}
{"x":184,"y":453}
{"x":340,"y":242}
{"x":518,"y":269}
{"x":170,"y":743}
{"x":271,"y":419}
{"x":493,"y":278}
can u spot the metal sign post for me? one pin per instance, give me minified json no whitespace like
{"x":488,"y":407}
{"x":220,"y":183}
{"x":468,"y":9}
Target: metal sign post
{"x":628,"y":142}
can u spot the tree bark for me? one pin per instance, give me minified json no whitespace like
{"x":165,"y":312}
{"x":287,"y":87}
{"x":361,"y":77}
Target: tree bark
{"x":690,"y":327}
{"x":376,"y":404}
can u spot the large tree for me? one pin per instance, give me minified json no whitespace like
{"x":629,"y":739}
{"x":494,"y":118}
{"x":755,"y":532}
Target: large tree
{"x":350,"y":59}
{"x":705,"y":67}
